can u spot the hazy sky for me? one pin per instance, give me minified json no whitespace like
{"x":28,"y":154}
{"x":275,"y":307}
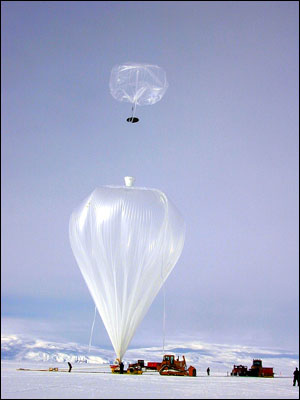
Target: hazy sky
{"x":223,"y":145}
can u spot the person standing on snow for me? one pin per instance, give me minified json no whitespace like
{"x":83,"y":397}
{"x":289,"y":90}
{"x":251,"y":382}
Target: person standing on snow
{"x":296,"y":377}
{"x":208,"y":371}
{"x":121,"y":367}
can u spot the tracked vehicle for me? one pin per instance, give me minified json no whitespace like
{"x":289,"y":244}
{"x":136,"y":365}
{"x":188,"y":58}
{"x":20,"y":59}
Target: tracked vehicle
{"x":172,"y":366}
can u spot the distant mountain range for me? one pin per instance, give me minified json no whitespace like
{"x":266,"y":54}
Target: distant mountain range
{"x":220,"y":358}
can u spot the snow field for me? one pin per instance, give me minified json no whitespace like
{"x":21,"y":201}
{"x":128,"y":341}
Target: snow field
{"x":78,"y":385}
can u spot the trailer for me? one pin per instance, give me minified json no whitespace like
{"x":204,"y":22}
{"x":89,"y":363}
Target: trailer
{"x":140,"y":364}
{"x":152,"y":365}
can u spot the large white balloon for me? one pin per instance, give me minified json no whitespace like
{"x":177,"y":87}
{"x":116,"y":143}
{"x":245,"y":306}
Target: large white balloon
{"x":126,"y":241}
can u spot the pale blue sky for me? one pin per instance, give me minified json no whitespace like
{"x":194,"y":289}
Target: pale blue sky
{"x":222,"y":144}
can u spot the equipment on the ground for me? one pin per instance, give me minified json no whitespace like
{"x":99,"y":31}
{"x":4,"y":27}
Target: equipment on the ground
{"x":256,"y":370}
{"x":239,"y":370}
{"x":172,"y":366}
{"x":43,"y":370}
{"x":83,"y":371}
{"x":133,"y":369}
{"x":169,"y":366}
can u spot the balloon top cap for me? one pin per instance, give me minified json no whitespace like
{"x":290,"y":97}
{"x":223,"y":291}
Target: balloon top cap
{"x":129,"y":180}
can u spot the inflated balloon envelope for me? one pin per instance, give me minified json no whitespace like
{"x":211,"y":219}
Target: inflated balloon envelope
{"x":126,"y":241}
{"x":139,"y":84}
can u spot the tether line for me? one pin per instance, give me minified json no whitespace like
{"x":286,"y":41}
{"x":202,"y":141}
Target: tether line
{"x":92,"y":329}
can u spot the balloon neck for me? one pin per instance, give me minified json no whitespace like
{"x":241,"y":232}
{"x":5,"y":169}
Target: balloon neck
{"x":129,"y":181}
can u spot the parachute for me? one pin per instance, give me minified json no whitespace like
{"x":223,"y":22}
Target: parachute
{"x":126,"y":241}
{"x":139,"y":84}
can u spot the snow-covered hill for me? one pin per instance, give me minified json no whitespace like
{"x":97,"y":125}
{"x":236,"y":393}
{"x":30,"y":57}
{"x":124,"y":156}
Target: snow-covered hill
{"x":15,"y":347}
{"x":219,"y":357}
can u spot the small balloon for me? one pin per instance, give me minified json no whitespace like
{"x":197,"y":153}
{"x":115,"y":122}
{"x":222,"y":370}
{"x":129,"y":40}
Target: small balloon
{"x":139,"y":84}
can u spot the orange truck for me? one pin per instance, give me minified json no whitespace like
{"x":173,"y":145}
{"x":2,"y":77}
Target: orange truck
{"x":256,"y":370}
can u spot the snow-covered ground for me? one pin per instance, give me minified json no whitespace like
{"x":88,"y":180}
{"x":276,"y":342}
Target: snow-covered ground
{"x":150,"y":385}
{"x":91,"y":378}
